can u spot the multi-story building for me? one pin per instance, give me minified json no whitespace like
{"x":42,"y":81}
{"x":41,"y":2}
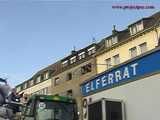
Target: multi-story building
{"x":127,"y":81}
{"x":41,"y":82}
{"x":65,"y":76}
{"x":76,"y":68}
{"x":136,"y":39}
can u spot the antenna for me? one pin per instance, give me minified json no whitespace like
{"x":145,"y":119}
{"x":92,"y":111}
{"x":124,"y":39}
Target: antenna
{"x":93,"y":40}
{"x":74,"y":48}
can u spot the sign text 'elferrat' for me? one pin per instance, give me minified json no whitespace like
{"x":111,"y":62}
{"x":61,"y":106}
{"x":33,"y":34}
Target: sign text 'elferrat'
{"x":125,"y":73}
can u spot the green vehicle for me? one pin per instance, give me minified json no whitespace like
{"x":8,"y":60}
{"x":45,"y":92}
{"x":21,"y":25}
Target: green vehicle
{"x":50,"y":107}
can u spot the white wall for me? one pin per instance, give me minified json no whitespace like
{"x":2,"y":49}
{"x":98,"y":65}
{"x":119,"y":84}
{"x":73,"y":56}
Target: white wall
{"x":141,"y":98}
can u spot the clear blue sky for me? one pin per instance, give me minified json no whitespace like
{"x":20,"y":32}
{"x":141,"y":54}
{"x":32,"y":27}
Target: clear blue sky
{"x":34,"y":34}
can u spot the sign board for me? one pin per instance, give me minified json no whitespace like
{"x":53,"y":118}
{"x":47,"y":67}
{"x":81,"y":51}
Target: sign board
{"x":125,"y":73}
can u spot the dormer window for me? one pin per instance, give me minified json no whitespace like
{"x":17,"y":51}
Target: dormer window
{"x":91,"y":50}
{"x":136,"y":28}
{"x":38,"y":79}
{"x":114,"y":39}
{"x":81,"y":55}
{"x":65,"y":63}
{"x":31,"y":82}
{"x":108,"y":43}
{"x":25,"y":86}
{"x":46,"y":75}
{"x":73,"y":59}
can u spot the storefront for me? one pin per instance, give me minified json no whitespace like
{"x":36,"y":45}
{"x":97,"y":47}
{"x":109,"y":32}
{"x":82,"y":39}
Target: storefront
{"x":129,"y":91}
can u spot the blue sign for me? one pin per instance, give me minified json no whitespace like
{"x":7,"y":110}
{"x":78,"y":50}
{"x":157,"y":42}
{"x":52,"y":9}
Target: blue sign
{"x":144,"y":65}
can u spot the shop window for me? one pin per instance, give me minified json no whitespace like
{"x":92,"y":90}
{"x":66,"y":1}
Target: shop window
{"x":86,"y":68}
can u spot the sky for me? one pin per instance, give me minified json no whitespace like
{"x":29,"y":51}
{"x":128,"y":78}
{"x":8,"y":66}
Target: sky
{"x":37,"y":33}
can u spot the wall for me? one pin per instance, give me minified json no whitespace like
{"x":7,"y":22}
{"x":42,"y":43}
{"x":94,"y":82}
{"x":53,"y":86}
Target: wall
{"x":38,"y":87}
{"x":150,"y":38}
{"x":73,"y":84}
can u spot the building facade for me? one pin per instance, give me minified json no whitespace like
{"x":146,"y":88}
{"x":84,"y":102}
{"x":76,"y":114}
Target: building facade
{"x":126,"y":92}
{"x":136,"y":39}
{"x":126,"y":67}
{"x":65,"y":76}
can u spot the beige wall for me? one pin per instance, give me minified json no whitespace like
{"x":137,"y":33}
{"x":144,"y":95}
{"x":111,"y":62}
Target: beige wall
{"x":150,"y":38}
{"x":38,"y":87}
{"x":73,"y":84}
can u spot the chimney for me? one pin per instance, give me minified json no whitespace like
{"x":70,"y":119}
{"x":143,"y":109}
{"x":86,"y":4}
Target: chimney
{"x":114,"y":31}
{"x":74,"y":50}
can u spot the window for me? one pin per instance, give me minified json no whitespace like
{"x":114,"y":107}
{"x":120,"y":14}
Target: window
{"x":108,"y":63}
{"x":73,"y":59}
{"x":139,"y":26}
{"x":69,"y":93}
{"x":85,"y":69}
{"x":116,"y":59}
{"x":24,"y":85}
{"x":143,"y":47}
{"x":91,"y":50}
{"x":46,"y":75}
{"x":81,"y":55}
{"x":136,"y":28}
{"x":65,"y":63}
{"x":95,"y":111}
{"x":108,"y":42}
{"x":113,"y":110}
{"x":31,"y":82}
{"x":133,"y":52}
{"x":38,"y":79}
{"x":69,"y":76}
{"x":57,"y":81}
{"x":114,"y":40}
{"x":45,"y":91}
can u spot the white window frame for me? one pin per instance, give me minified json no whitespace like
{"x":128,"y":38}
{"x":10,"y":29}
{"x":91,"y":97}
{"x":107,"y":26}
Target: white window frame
{"x":108,"y":65}
{"x":81,"y":55}
{"x":140,"y":48}
{"x":115,"y":60}
{"x":57,"y":81}
{"x":73,"y":59}
{"x":46,"y":75}
{"x":114,"y":40}
{"x":38,"y":79}
{"x":31,"y":82}
{"x":130,"y":50}
{"x":91,"y":50}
